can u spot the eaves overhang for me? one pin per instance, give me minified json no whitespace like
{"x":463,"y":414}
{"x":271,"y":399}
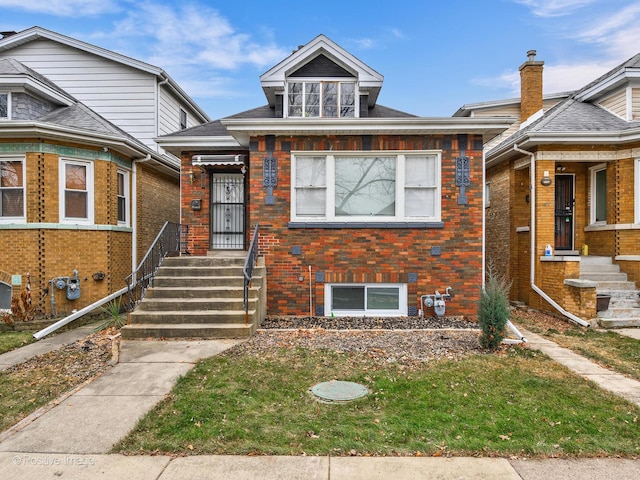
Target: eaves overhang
{"x":243,"y":129}
{"x":506,"y":151}
{"x":178,"y":144}
{"x":608,"y":84}
{"x":27,"y":83}
{"x":119,"y":144}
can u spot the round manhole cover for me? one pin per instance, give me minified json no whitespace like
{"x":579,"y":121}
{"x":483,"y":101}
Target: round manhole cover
{"x":337,"y":391}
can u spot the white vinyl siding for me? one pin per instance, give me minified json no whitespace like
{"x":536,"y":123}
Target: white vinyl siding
{"x":123,"y":95}
{"x":169,"y":119}
{"x":635,"y":104}
{"x":616,"y":103}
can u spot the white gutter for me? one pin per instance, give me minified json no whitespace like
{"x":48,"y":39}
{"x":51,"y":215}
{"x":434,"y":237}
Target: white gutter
{"x":532,"y":228}
{"x":134,"y":210}
{"x":83,"y":311}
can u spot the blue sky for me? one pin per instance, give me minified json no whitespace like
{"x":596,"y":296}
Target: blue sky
{"x":435,"y":55}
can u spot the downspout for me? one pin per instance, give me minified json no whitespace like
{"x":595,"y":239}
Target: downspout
{"x":134,"y":210}
{"x":532,"y":231}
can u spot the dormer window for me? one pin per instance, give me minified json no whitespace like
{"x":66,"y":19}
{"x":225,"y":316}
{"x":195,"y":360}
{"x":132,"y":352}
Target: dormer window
{"x":329,"y":99}
{"x":4,"y":106}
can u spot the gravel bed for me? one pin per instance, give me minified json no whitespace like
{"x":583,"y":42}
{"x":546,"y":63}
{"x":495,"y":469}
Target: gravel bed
{"x":382,"y":340}
{"x":366,"y":323}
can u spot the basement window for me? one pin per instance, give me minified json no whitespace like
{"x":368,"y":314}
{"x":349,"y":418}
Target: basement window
{"x":366,"y":299}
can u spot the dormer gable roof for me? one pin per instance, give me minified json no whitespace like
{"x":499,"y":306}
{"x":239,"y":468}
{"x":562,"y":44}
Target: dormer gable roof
{"x":321,"y":55}
{"x":627,"y":72}
{"x":16,"y":74}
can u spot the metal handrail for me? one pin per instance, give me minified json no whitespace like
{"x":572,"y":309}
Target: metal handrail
{"x":170,"y":240}
{"x":247,"y":270}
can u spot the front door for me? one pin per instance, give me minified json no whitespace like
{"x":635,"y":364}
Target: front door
{"x":564,"y":207}
{"x":227,"y":211}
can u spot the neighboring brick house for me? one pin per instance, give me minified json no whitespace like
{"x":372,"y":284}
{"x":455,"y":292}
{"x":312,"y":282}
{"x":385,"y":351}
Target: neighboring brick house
{"x":572,"y":164}
{"x":361,"y":208}
{"x":83,"y":187}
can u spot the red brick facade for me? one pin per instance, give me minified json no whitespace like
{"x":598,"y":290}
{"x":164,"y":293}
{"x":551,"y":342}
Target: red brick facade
{"x":355,"y":255}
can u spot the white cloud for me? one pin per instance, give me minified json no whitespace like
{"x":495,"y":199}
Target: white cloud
{"x":554,"y":8}
{"x":190,"y":34}
{"x":365,"y":43}
{"x":64,"y":8}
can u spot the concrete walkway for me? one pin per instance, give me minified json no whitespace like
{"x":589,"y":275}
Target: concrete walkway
{"x":606,"y":379}
{"x":71,"y":439}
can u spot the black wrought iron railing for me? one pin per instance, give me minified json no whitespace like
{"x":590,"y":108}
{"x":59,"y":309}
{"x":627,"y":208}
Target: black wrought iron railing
{"x":247,"y":271}
{"x":171,"y":240}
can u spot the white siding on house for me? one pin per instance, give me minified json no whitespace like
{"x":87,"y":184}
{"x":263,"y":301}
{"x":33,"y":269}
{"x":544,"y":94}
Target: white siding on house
{"x":124,"y":95}
{"x":616,"y":103}
{"x":635,"y":104}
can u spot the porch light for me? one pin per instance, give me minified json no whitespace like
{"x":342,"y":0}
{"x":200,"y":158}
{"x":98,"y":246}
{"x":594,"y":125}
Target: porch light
{"x":560,"y":168}
{"x":546,"y":179}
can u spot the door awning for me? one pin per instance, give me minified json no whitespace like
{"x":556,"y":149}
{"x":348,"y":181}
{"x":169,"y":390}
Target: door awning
{"x":216,"y":160}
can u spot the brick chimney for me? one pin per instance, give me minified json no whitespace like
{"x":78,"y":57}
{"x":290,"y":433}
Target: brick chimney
{"x":530,"y":86}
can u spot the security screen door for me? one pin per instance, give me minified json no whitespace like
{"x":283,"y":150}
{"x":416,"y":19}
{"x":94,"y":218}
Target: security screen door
{"x":227,"y":211}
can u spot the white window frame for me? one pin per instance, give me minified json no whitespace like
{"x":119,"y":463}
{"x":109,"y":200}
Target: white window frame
{"x":592,"y":172}
{"x":400,"y":181}
{"x":8,"y":94}
{"x":127,"y":199}
{"x":321,"y":81}
{"x":22,"y":218}
{"x":487,"y":194}
{"x":637,"y":190}
{"x":90,"y":192}
{"x":183,"y":114}
{"x":402,"y":300}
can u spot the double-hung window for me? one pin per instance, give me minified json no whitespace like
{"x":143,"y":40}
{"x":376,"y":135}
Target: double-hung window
{"x":12,"y":190}
{"x":366,"y":187}
{"x":5,"y":106}
{"x":330,"y":99}
{"x":76,"y":191}
{"x":123,"y":198}
{"x":599,"y":194}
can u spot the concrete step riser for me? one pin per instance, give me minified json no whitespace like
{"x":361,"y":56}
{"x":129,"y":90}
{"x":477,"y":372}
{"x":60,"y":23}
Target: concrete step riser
{"x":595,"y":260}
{"x":620,"y":312}
{"x":195,"y":305}
{"x":604,"y":277}
{"x":202,"y":331}
{"x":609,"y":286}
{"x":200,"y":272}
{"x":619,"y":322}
{"x":599,"y":269}
{"x":203,"y":261}
{"x":189,"y":282}
{"x":222,"y":291}
{"x":178,"y":318}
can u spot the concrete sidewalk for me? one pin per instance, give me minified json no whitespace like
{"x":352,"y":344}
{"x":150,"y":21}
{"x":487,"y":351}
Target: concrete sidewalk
{"x":606,"y":379}
{"x":28,"y":466}
{"x":94,"y":418}
{"x":72,"y":438}
{"x":47,"y":344}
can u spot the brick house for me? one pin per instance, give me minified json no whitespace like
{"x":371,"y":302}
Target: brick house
{"x":362,"y":209}
{"x":84,"y":189}
{"x":567,"y":176}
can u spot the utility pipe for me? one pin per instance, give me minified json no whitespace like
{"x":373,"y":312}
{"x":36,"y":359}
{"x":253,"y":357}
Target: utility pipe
{"x":83,"y":311}
{"x":532,"y":229}
{"x":310,"y":295}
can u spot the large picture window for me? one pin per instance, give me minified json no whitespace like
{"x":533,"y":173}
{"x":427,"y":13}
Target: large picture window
{"x":76,"y":187}
{"x":12,"y":190}
{"x":352,"y":187}
{"x":330,"y":99}
{"x":366,"y":299}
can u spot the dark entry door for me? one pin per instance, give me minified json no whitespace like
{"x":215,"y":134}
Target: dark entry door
{"x":227,"y":211}
{"x":564,"y":207}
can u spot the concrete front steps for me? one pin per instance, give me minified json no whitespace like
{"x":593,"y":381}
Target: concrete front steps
{"x":200,"y":297}
{"x":624,"y":306}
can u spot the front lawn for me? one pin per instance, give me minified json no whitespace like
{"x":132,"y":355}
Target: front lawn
{"x":517,"y":403}
{"x":11,"y":340}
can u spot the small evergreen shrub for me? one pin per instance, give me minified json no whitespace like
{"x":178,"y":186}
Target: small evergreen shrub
{"x":493,"y":310}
